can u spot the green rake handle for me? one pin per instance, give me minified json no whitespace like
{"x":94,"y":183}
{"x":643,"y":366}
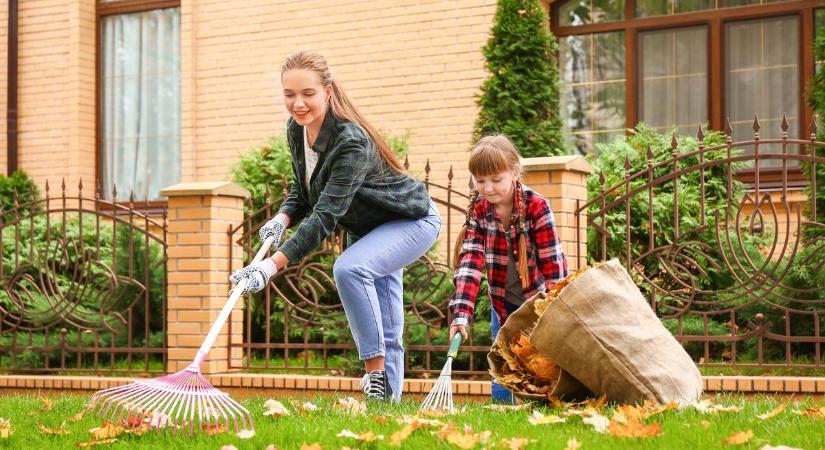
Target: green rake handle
{"x":453,"y":351}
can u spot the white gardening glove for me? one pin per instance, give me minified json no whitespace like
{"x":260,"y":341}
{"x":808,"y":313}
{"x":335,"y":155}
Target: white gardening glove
{"x":257,"y":275}
{"x":274,"y":227}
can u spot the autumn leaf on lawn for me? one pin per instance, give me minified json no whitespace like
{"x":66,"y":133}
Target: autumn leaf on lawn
{"x":538,"y":418}
{"x":309,"y":407}
{"x":597,"y":421}
{"x":77,"y":417}
{"x":275,"y":408}
{"x":634,"y":428}
{"x":5,"y":428}
{"x":380,"y":419}
{"x":315,"y":446}
{"x":368,"y":436}
{"x":229,"y":447}
{"x":47,"y":404}
{"x":498,"y":407}
{"x":573,"y":444}
{"x":352,"y":406}
{"x":214,"y":428}
{"x":246,"y":434}
{"x":515,"y":443}
{"x":465,"y":439}
{"x":816,"y":413}
{"x":411,"y":423}
{"x":59,"y":431}
{"x":705,"y":406}
{"x":705,"y":424}
{"x":779,"y":447}
{"x":106,"y":431}
{"x":94,"y":442}
{"x":773,"y":412}
{"x":738,"y":438}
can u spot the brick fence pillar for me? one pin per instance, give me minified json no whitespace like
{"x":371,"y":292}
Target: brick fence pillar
{"x":198,"y":249}
{"x":563,"y":181}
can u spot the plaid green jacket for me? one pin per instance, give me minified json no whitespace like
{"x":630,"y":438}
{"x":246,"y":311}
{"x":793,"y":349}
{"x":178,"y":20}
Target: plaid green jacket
{"x":351,"y":187}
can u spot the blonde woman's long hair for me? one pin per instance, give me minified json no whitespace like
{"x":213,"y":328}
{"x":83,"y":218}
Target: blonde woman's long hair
{"x":342,"y":106}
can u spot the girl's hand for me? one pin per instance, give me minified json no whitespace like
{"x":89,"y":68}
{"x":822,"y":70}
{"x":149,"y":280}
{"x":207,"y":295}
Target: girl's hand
{"x":458,"y":329}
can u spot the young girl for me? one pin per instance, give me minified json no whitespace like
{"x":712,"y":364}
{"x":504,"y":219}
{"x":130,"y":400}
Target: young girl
{"x":345,"y":175}
{"x":510,"y":229}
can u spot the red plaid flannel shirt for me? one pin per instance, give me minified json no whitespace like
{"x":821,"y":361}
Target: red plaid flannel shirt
{"x":485,"y":245}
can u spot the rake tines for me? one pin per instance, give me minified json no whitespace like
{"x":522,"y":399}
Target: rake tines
{"x":441,"y":395}
{"x":183,"y":399}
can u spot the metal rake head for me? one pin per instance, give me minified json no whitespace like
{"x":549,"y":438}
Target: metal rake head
{"x":180,"y":401}
{"x":440,"y":397}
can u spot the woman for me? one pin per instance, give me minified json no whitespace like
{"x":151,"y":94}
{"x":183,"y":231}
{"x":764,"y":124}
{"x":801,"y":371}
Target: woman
{"x":345,"y":175}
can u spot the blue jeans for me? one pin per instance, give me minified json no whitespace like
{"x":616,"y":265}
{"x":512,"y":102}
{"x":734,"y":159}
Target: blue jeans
{"x":499,"y":393}
{"x":368,"y":276}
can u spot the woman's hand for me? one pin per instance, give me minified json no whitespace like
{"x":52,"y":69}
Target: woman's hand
{"x":458,"y":329}
{"x":280,"y":260}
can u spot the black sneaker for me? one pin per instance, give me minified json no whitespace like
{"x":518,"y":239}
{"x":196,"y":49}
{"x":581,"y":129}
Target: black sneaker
{"x":376,"y":385}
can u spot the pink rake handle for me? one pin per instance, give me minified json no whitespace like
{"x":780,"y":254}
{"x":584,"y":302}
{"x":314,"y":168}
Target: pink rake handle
{"x":224,"y":315}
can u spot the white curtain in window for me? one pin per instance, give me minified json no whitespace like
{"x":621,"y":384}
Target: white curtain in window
{"x":140,"y":103}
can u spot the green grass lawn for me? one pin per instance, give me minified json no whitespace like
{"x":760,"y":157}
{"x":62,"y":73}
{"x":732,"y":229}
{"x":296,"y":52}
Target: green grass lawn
{"x":681,"y":429}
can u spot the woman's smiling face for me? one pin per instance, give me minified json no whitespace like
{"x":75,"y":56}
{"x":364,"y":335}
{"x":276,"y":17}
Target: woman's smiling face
{"x":305,"y":97}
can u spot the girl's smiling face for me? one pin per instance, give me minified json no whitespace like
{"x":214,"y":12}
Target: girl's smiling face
{"x":496,"y":188}
{"x":305,"y":97}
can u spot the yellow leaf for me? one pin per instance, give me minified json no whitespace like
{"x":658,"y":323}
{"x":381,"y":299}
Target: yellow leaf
{"x":309,"y":406}
{"x":515,"y":443}
{"x":212,"y":429}
{"x":398,"y":437}
{"x":352,"y":406}
{"x":773,"y":412}
{"x":60,"y":431}
{"x":738,"y":438}
{"x":540,"y":419}
{"x":106,"y":431}
{"x":47,"y":404}
{"x":5,"y":428}
{"x":634,"y":428}
{"x":82,"y":413}
{"x":573,"y":444}
{"x":96,"y":442}
{"x":368,"y":436}
{"x":229,"y":447}
{"x":705,"y":406}
{"x":275,"y":408}
{"x":705,"y":424}
{"x":465,"y":439}
{"x":315,"y":446}
{"x":816,"y":413}
{"x":497,"y":407}
{"x":271,"y":447}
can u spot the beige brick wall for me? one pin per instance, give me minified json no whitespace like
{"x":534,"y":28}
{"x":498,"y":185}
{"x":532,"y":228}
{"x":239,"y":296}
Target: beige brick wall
{"x":56,"y":111}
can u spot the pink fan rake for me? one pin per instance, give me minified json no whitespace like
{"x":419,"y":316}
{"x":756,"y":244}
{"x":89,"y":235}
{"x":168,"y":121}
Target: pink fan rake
{"x":182,"y":400}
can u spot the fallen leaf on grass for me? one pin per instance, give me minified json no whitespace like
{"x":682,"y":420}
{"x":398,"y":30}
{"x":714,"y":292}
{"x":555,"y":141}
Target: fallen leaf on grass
{"x":597,"y":421}
{"x":465,"y":439}
{"x":352,"y":406}
{"x":779,"y":447}
{"x":246,"y":434}
{"x":106,"y":431}
{"x":229,"y":447}
{"x":411,"y":424}
{"x":271,"y":447}
{"x":367,"y":436}
{"x":538,"y":418}
{"x":634,"y":428}
{"x":641,"y":412}
{"x":77,"y":417}
{"x":275,"y":408}
{"x":315,"y":446}
{"x":773,"y":412}
{"x":705,"y":406}
{"x":507,"y":408}
{"x":380,"y":419}
{"x":705,"y":424}
{"x":515,"y":443}
{"x":5,"y":428}
{"x":94,"y":442}
{"x":573,"y":444}
{"x":59,"y":431}
{"x":816,"y":413}
{"x":407,"y":419}
{"x":212,"y":429}
{"x":47,"y":404}
{"x":738,"y":438}
{"x":309,"y":406}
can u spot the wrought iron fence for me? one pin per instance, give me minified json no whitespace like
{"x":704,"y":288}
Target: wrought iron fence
{"x":735,"y":269}
{"x":83,"y":284}
{"x":298,"y":322}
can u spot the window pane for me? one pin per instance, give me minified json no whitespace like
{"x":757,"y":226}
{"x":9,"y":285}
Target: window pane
{"x":140,"y":102}
{"x":580,"y":12}
{"x":762,"y":64}
{"x":673,"y":79}
{"x":646,"y":8}
{"x":593,"y":88}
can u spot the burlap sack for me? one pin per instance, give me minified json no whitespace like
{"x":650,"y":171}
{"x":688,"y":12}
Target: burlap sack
{"x":523,"y":319}
{"x":602,"y":331}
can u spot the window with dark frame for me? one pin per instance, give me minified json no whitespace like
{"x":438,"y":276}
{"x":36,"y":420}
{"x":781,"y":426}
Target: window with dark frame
{"x":139,"y":84}
{"x":684,"y":63}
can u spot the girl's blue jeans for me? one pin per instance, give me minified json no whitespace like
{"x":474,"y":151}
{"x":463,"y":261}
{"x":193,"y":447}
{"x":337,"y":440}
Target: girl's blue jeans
{"x":499,"y":393}
{"x":368,"y":276}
